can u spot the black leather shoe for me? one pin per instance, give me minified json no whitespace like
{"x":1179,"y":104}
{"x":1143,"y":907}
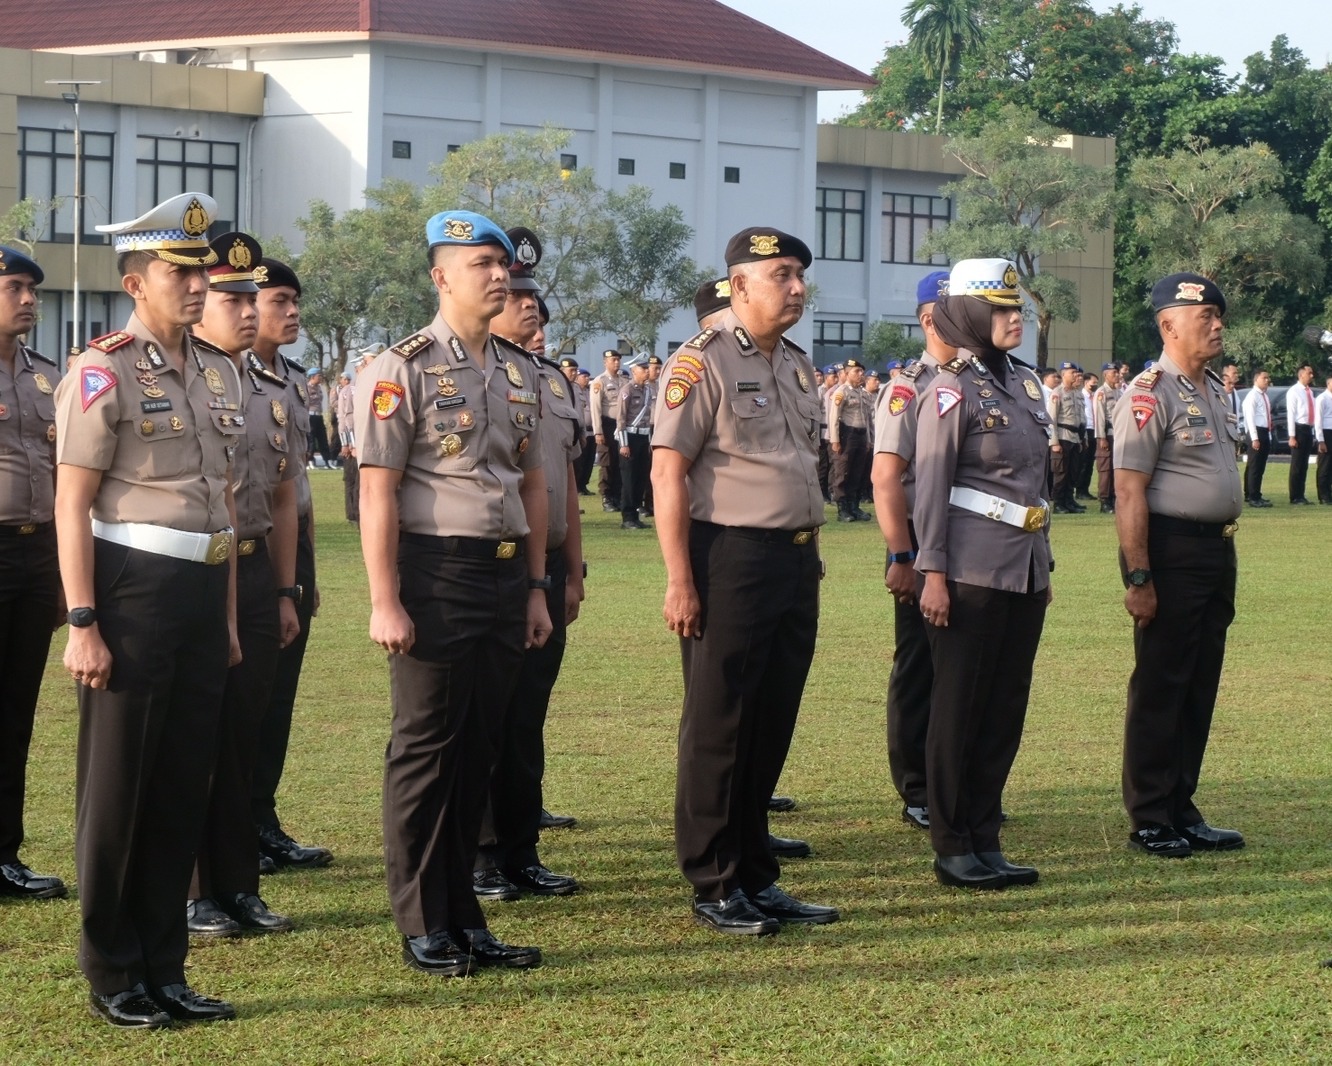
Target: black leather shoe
{"x":556,"y":821}
{"x":1107,"y":508}
{"x":781,"y":804}
{"x":734,"y":915}
{"x":253,"y":914}
{"x":633,"y":523}
{"x":203,"y":917}
{"x":131,"y":1009}
{"x":788,"y":847}
{"x":266,"y":865}
{"x":17,"y":880}
{"x":775,"y":903}
{"x":184,"y":1004}
{"x":540,"y":881}
{"x":1161,"y":841}
{"x":1203,"y":837}
{"x":284,"y":851}
{"x":487,"y":951}
{"x":491,"y":884}
{"x":1017,"y":875}
{"x":1299,"y":503}
{"x":917,"y":816}
{"x":845,"y":516}
{"x":966,"y":871}
{"x":1061,"y":508}
{"x":1076,"y":507}
{"x":608,"y":507}
{"x":436,"y":953}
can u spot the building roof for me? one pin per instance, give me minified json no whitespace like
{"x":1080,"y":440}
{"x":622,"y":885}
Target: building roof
{"x":694,"y":34}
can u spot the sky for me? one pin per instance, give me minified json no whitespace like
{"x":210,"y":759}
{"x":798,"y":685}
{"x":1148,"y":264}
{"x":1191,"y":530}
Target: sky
{"x":858,"y":31}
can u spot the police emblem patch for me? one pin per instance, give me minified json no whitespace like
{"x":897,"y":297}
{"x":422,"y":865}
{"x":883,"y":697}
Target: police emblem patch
{"x":900,"y":398}
{"x":676,"y":393}
{"x":94,"y":381}
{"x":1142,"y":414}
{"x":42,"y":384}
{"x":1031,"y":388}
{"x":213,"y":380}
{"x":279,"y":415}
{"x":387,"y":398}
{"x":512,"y":372}
{"x":947,"y":399}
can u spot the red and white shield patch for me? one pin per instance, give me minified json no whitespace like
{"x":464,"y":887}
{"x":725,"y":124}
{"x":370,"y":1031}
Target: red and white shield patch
{"x":1142,"y":414}
{"x":95,"y":381}
{"x":387,"y":398}
{"x":947,"y":399}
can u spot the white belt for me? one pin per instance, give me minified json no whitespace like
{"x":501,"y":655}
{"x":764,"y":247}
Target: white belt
{"x":210,"y":548}
{"x":1032,"y":519}
{"x":640,"y":432}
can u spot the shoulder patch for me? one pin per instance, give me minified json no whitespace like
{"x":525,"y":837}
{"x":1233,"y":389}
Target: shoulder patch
{"x":38,"y":355}
{"x":1147,"y":380}
{"x":412,"y":345}
{"x":913,"y":371}
{"x":954,"y":366}
{"x":700,"y":340}
{"x":94,"y":381}
{"x":111,"y":341}
{"x":900,"y":398}
{"x":947,"y":399}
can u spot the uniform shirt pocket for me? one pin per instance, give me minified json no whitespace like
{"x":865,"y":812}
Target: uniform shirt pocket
{"x":163,"y":451}
{"x":758,"y":425}
{"x":451,"y":436}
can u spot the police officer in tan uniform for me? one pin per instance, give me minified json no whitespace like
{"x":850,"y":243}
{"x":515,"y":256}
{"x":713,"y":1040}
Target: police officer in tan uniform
{"x":1103,"y":427}
{"x":1179,"y":493}
{"x":1068,"y":412}
{"x":738,"y":510}
{"x":453,"y":532}
{"x":605,"y":399}
{"x":850,"y":414}
{"x":279,"y":303}
{"x":574,"y":375}
{"x":30,"y":606}
{"x":351,"y":480}
{"x":981,"y":452}
{"x":507,"y":863}
{"x":146,"y":431}
{"x":224,"y":895}
{"x":633,"y":434}
{"x":894,"y":477}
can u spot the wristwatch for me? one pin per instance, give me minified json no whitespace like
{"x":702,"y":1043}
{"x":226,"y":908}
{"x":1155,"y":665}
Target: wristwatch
{"x":82,"y":617}
{"x":1138,"y":578}
{"x":539,"y":582}
{"x":293,"y":592}
{"x":902,"y":557}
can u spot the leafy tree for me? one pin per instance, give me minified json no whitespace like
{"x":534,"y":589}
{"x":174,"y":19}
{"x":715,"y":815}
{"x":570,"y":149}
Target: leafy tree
{"x":942,"y":31}
{"x":644,"y":270}
{"x":336,"y":283}
{"x":886,"y":340}
{"x":1023,"y":201}
{"x":24,"y":224}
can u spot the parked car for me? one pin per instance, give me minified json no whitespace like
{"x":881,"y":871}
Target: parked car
{"x":1276,"y":396}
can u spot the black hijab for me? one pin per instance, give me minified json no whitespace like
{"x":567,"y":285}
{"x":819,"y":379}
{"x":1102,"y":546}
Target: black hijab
{"x":965,"y":322}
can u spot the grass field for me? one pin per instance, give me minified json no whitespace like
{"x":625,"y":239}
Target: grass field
{"x":1113,"y":957}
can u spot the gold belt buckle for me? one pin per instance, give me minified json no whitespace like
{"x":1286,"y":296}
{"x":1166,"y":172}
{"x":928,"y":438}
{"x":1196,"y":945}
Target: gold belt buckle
{"x":804,"y":536}
{"x":245,"y":547}
{"x":25,"y":530}
{"x":1037,"y":517}
{"x":219,"y":547}
{"x":1229,"y":529}
{"x":507,"y":549}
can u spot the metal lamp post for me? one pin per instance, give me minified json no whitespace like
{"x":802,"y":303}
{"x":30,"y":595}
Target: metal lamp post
{"x":71,"y":97}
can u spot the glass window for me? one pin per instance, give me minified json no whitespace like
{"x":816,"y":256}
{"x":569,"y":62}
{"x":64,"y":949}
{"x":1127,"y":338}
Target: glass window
{"x":908,"y":221}
{"x":46,"y":174}
{"x":840,"y":224}
{"x":168,"y":166}
{"x":836,"y":340}
{"x":677,"y":170}
{"x":626,"y":166}
{"x":731,"y":175}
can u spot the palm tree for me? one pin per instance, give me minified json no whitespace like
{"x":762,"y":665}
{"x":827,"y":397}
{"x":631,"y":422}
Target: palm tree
{"x":941,"y":32}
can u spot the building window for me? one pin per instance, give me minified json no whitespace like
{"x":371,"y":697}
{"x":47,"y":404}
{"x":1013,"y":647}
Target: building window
{"x":168,"y":166}
{"x":907,"y":221}
{"x":46,"y":173}
{"x":568,"y":161}
{"x":840,"y":224}
{"x":731,"y":175}
{"x":451,"y":148}
{"x":836,"y":340}
{"x":677,"y":170}
{"x":402,"y":149}
{"x":626,"y":166}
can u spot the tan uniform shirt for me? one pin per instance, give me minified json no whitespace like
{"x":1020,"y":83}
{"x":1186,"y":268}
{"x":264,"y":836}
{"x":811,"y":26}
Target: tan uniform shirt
{"x":1184,"y":437}
{"x":347,"y":413}
{"x":898,"y":415}
{"x":848,"y":406}
{"x":164,"y":439}
{"x":265,"y":457}
{"x":750,"y":428}
{"x":584,"y":403}
{"x":633,"y":414}
{"x":300,"y":413}
{"x":27,"y":439}
{"x":994,"y":437}
{"x":605,"y":397}
{"x":1103,"y":406}
{"x":561,"y":439}
{"x":460,"y":433}
{"x":1069,"y":414}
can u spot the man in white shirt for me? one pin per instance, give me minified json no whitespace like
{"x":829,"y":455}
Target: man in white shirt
{"x":1257,"y":414}
{"x":1300,"y":422}
{"x":1323,"y":428}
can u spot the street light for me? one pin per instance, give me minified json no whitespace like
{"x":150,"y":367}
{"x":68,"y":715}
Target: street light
{"x":71,"y":97}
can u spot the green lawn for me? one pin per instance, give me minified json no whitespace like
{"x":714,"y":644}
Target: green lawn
{"x":1113,"y":957}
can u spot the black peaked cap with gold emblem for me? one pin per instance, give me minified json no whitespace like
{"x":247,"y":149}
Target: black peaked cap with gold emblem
{"x":275,"y":274}
{"x":758,"y":244}
{"x":238,"y":254}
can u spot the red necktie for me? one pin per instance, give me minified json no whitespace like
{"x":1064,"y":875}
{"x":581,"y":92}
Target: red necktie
{"x":1308,"y":392}
{"x":1267,"y":407}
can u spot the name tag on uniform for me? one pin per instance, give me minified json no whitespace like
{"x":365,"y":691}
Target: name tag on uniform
{"x":451,"y":401}
{"x":150,"y":406}
{"x":747,"y":386}
{"x":1196,"y":420}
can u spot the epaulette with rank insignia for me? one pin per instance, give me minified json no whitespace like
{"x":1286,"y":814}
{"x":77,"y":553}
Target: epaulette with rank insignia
{"x":292,"y":364}
{"x":504,"y":343}
{"x":537,"y":357}
{"x":38,"y":355}
{"x":412,"y":345}
{"x":208,"y":346}
{"x":256,"y":366}
{"x":700,"y":340}
{"x":913,"y":371}
{"x":1216,"y":378}
{"x":793,"y":346}
{"x":111,"y":341}
{"x":1147,"y":380}
{"x":955,"y":365}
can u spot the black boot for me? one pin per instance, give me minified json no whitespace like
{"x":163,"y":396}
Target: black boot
{"x":844,"y":512}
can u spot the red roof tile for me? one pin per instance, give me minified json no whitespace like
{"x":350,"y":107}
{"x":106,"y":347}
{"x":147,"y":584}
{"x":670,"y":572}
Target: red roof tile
{"x":674,"y":33}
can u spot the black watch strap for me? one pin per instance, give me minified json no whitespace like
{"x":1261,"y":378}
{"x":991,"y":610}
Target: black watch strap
{"x":81,"y":617}
{"x":539,"y":582}
{"x":292,"y":592}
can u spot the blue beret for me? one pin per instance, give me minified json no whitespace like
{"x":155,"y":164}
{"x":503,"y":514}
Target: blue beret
{"x":931,"y":287}
{"x":1109,"y":366}
{"x":466,"y":228}
{"x":1070,"y":366}
{"x":312,"y":372}
{"x":830,"y":370}
{"x":12,"y":261}
{"x":1186,"y":290}
{"x":897,"y":364}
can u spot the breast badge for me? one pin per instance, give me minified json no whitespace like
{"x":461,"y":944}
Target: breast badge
{"x":42,"y":384}
{"x":1032,"y":389}
{"x":451,"y":445}
{"x":279,"y":415}
{"x":214,"y":381}
{"x":802,"y":380}
{"x":556,"y":388}
{"x":466,"y":419}
{"x":436,"y":368}
{"x":51,"y":433}
{"x":176,"y":423}
{"x":447,"y":386}
{"x":278,"y":442}
{"x":146,"y":427}
{"x":512,"y":373}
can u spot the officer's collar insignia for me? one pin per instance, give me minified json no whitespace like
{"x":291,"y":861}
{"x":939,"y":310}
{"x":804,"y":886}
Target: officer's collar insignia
{"x":455,"y":345}
{"x":1185,"y":382}
{"x":742,"y":336}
